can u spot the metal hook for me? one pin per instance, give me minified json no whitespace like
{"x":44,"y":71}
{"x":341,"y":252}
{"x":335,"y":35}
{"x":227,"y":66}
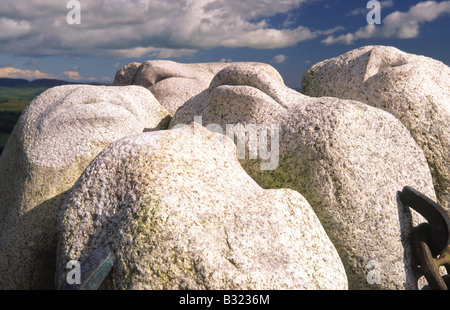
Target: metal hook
{"x":436,"y":216}
{"x":430,"y":240}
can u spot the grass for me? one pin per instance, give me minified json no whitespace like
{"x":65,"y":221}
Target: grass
{"x":14,"y":106}
{"x":17,"y":99}
{"x":3,"y":138}
{"x":13,"y":101}
{"x":19,"y":94}
{"x":8,"y":120}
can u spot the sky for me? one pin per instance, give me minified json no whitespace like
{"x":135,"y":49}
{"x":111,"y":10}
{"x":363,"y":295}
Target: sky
{"x":39,"y":39}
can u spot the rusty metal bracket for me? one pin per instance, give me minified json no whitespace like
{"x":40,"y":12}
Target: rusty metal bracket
{"x":431,"y":240}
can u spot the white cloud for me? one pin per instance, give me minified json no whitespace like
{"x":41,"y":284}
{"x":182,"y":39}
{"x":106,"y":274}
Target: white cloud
{"x":75,"y":76}
{"x":137,"y":28}
{"x":14,"y":73}
{"x":12,"y":29}
{"x":358,"y":11}
{"x":387,"y":4}
{"x":279,"y":59}
{"x":401,"y":25}
{"x":364,"y":10}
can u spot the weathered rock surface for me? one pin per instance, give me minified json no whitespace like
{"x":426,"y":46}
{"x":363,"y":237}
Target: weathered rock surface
{"x":179,"y":212}
{"x":346,"y":158}
{"x":57,"y":136}
{"x":415,"y":89}
{"x":174,"y":83}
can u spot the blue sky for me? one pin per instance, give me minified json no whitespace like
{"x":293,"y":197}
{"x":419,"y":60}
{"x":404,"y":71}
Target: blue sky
{"x":37,"y":42}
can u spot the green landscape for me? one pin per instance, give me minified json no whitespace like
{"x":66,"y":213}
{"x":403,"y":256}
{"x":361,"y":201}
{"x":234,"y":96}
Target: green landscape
{"x":13,"y":100}
{"x":15,"y":95}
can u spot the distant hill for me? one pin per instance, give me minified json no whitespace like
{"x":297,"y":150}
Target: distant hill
{"x":22,"y":83}
{"x":5,"y":82}
{"x":8,"y":82}
{"x":48,"y":83}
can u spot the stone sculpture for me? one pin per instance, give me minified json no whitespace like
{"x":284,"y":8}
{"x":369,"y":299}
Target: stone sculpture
{"x":346,"y":158}
{"x":415,"y":89}
{"x":178,"y":212}
{"x":57,"y":136}
{"x":174,"y":83}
